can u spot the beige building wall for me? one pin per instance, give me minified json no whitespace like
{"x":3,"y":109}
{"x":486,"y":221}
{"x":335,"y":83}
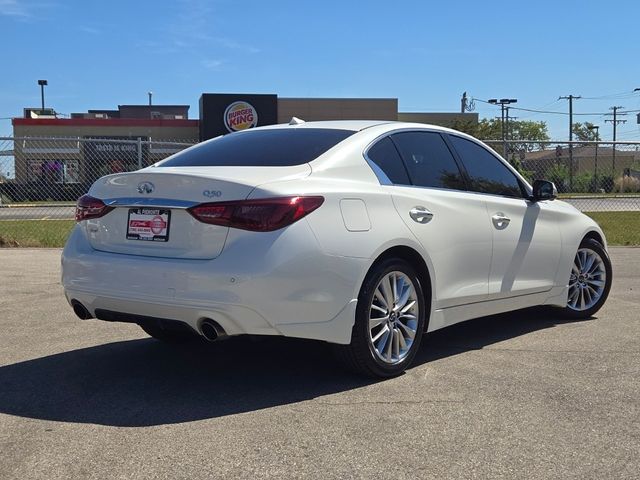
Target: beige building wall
{"x":316,"y":109}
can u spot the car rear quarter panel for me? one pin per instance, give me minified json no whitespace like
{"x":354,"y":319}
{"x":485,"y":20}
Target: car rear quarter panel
{"x":330,"y":228}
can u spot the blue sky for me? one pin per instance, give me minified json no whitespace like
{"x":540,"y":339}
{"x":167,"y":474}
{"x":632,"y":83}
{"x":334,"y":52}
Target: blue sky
{"x":101,"y":54}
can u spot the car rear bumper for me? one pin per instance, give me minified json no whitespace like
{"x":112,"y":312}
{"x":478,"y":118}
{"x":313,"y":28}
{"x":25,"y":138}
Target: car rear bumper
{"x":277,"y":283}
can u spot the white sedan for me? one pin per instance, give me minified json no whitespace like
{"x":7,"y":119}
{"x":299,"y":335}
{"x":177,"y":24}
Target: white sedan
{"x":359,"y":233}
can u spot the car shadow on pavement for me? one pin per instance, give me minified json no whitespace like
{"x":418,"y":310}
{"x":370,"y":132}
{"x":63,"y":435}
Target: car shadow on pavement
{"x":144,"y":382}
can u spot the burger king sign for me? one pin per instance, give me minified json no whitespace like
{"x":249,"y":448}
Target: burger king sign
{"x":240,"y":116}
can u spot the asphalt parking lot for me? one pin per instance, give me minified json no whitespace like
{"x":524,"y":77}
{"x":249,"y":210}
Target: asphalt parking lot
{"x":524,"y":395}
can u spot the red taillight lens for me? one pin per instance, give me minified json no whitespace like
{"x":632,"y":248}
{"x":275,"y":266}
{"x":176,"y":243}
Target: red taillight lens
{"x":90,"y":207}
{"x":263,"y":215}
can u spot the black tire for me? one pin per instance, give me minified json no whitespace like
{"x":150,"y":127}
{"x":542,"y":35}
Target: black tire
{"x":595,"y":246}
{"x":168,"y":335}
{"x":360,"y":355}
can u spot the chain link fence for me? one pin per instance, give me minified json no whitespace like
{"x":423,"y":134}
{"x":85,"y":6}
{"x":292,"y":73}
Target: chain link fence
{"x":593,"y":176}
{"x":41,"y":178}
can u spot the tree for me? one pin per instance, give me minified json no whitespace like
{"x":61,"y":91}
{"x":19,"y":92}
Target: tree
{"x":585,"y":132}
{"x":528,"y":134}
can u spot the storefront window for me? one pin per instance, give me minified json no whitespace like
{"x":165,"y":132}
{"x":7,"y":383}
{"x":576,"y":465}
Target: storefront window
{"x":54,"y":171}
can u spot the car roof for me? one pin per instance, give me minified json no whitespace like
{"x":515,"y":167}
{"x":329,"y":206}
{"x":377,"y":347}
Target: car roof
{"x":354,"y":125}
{"x":357,"y":125}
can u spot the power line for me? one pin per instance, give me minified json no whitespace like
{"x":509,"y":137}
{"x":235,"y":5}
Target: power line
{"x":548,"y":111}
{"x":558,"y":113}
{"x":617,"y":96}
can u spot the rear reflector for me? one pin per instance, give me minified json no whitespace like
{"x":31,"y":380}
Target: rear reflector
{"x":264,"y":215}
{"x":90,"y":207}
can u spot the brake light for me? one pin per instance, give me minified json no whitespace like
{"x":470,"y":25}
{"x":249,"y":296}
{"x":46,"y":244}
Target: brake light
{"x":264,"y":215}
{"x":90,"y":207}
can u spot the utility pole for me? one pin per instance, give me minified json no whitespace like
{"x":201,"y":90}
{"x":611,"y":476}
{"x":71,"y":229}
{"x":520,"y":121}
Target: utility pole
{"x":571,"y":98}
{"x":463,"y":102}
{"x":615,"y":123}
{"x":502,"y":102}
{"x":507,"y":117}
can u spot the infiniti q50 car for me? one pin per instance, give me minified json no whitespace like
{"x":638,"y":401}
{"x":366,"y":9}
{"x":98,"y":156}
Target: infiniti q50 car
{"x":358,"y":233}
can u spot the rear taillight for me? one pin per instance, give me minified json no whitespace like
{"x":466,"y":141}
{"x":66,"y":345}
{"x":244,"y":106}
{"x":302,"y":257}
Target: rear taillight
{"x":90,"y":207}
{"x":264,"y":215}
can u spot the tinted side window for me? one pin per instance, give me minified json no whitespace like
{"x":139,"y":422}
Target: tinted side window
{"x":385,"y":156}
{"x":428,"y":160}
{"x":487,"y":173}
{"x":278,"y":147}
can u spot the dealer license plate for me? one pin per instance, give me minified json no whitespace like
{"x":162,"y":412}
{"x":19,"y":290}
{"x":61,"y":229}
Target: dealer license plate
{"x":150,"y":224}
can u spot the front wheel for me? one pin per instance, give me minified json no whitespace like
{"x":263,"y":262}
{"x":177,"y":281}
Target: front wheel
{"x":589,"y":281}
{"x":389,"y":322}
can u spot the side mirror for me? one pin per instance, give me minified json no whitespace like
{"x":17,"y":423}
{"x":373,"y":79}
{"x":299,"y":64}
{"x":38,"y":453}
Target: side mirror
{"x":544,"y":190}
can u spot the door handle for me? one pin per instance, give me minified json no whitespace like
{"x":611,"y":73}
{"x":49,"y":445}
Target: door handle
{"x":420,"y":214}
{"x":500,"y":220}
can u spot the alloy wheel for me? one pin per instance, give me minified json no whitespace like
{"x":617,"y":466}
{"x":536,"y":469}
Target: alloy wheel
{"x":587,"y":281}
{"x":393,"y":317}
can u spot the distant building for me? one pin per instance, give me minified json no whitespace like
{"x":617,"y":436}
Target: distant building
{"x":79,"y":149}
{"x":584,"y":160}
{"x":221,"y":113}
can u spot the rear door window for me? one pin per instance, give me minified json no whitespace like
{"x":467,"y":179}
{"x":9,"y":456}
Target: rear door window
{"x":428,"y":160}
{"x":278,"y":147}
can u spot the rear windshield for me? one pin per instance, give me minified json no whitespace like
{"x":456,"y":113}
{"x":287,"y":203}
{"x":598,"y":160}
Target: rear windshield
{"x":270,"y":148}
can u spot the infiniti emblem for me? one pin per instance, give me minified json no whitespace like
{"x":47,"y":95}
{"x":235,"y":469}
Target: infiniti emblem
{"x":145,"y":187}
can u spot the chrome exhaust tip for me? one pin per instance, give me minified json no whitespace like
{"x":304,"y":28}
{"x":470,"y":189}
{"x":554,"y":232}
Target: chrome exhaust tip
{"x":80,"y":310}
{"x":211,"y":330}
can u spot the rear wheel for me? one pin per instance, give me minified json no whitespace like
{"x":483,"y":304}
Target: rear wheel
{"x":389,"y":323}
{"x":589,"y":281}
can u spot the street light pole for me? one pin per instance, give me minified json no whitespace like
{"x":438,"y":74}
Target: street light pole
{"x":42,"y":83}
{"x":502,"y":102}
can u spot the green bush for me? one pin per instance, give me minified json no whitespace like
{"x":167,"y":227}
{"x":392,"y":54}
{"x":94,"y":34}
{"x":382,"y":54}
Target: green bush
{"x":584,"y":183}
{"x":558,"y":174}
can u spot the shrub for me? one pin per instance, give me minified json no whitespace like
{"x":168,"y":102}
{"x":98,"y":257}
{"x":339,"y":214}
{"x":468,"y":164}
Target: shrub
{"x":558,"y":174}
{"x":584,"y":183}
{"x":626,"y":184}
{"x":605,"y":182}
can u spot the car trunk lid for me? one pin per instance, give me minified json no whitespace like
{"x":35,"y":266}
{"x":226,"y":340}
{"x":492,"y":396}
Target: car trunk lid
{"x":150,"y":216}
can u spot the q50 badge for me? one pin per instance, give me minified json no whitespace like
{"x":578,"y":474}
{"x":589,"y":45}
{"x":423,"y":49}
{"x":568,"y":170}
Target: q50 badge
{"x":212,"y":193}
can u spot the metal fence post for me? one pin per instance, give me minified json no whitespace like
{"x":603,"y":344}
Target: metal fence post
{"x":139,"y":153}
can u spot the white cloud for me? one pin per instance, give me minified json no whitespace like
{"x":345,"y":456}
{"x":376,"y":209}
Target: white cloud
{"x":212,"y":64}
{"x":233,"y":45}
{"x":89,"y":30}
{"x":13,"y":8}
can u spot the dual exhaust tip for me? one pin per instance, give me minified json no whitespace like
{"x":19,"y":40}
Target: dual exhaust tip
{"x":210,"y":329}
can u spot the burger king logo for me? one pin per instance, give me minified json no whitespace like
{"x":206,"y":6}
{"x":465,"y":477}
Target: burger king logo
{"x":240,"y":116}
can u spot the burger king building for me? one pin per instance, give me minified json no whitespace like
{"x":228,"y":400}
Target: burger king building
{"x":224,"y":113}
{"x":219,"y":114}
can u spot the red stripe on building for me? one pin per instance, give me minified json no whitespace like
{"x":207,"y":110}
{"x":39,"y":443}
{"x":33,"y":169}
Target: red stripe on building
{"x":104,"y":122}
